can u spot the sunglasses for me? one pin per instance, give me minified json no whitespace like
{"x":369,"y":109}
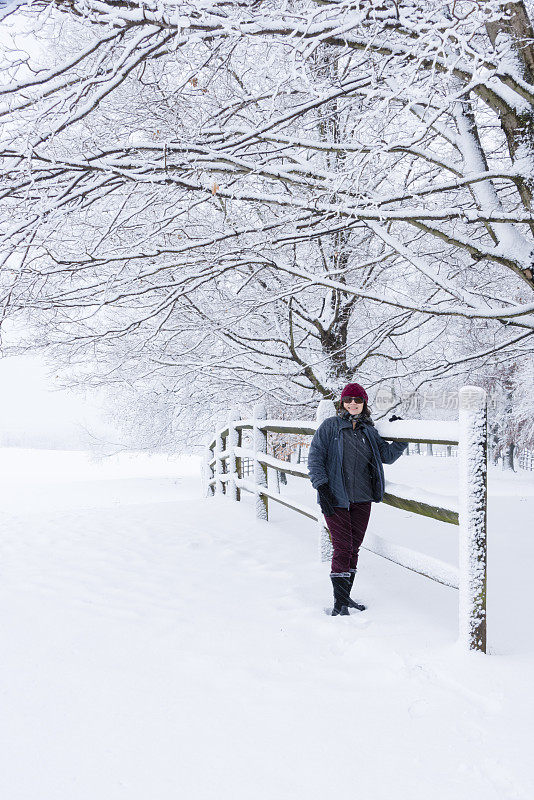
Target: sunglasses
{"x":353,"y":400}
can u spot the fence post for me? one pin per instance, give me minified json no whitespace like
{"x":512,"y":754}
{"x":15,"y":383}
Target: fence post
{"x":219,"y":463}
{"x":260,"y":470}
{"x":239,"y":460}
{"x":472,"y":464}
{"x":325,"y":409}
{"x":207,"y":472}
{"x":233,"y":490}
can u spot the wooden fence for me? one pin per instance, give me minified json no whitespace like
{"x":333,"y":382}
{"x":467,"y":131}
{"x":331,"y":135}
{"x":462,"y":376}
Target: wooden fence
{"x":223,"y":474}
{"x":526,"y":460}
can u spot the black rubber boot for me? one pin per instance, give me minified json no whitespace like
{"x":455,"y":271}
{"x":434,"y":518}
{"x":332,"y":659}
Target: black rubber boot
{"x":352,"y":603}
{"x":340,"y":584}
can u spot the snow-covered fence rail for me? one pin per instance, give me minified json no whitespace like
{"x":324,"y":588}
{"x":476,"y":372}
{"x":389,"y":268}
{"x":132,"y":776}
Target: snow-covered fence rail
{"x":223,"y":473}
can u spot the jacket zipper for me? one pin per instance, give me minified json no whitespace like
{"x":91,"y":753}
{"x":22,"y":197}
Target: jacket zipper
{"x":340,"y":446}
{"x":373,"y":458}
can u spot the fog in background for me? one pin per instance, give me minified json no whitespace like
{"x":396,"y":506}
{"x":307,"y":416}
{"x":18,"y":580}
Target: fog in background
{"x":36,"y":412}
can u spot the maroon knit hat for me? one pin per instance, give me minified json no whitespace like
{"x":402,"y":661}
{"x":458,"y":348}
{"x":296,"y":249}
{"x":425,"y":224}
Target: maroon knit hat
{"x":354,"y":390}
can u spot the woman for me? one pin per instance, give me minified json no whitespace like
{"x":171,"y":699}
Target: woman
{"x":345,"y":466}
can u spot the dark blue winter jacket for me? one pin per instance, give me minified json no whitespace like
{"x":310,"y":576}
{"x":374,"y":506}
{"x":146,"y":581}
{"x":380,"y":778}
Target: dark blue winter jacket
{"x":325,"y":459}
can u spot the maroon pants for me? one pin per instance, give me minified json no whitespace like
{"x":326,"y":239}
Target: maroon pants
{"x":347,"y":528}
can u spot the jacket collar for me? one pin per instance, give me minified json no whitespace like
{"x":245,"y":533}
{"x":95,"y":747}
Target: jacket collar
{"x":344,"y":421}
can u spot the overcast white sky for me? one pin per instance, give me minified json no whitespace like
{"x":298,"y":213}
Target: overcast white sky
{"x":33,"y":412}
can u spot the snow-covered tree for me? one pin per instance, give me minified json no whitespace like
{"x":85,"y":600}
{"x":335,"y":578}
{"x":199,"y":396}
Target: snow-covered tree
{"x":271,"y":197}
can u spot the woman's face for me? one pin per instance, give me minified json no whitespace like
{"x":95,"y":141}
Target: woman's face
{"x":354,"y":405}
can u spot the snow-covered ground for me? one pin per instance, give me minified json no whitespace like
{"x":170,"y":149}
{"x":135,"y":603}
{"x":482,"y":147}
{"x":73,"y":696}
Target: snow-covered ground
{"x":160,"y":645}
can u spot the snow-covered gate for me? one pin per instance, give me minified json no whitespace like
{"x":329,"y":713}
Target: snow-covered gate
{"x":223,"y":474}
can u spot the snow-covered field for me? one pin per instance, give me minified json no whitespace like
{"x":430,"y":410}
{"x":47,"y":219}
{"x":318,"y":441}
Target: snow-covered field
{"x":160,"y":645}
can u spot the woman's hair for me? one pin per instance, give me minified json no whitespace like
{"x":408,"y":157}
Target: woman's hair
{"x":366,"y":413}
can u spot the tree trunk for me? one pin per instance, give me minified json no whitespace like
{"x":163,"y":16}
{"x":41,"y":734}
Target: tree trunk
{"x":517,"y":124}
{"x":509,"y":456}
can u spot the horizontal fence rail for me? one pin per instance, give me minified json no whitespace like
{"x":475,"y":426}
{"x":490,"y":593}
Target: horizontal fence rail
{"x":224,"y":473}
{"x":419,"y":431}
